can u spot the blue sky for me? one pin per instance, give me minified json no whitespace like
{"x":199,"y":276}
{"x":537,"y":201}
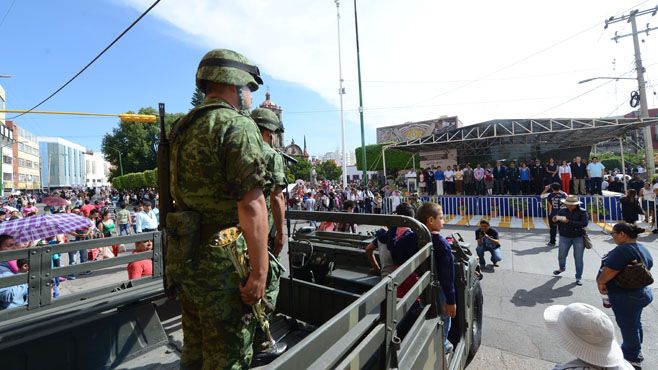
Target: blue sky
{"x":46,"y":43}
{"x":420,"y":60}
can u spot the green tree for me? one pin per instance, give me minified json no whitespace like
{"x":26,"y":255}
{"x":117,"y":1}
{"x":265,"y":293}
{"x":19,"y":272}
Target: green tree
{"x":613,"y":160}
{"x":137,"y":142}
{"x":329,"y":170}
{"x":395,"y":159}
{"x":301,"y":170}
{"x":197,"y":97}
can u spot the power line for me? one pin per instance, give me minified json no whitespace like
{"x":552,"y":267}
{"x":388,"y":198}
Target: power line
{"x":597,"y":24}
{"x":7,"y":13}
{"x":92,"y":61}
{"x":426,"y":82}
{"x":510,"y":65}
{"x":427,"y":106}
{"x":578,"y":96}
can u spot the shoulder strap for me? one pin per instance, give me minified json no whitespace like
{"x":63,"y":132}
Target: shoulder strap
{"x":639,"y":255}
{"x":180,"y":126}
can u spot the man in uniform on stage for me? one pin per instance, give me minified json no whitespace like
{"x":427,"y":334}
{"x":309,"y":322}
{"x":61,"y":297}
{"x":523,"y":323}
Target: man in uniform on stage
{"x":218,"y":173}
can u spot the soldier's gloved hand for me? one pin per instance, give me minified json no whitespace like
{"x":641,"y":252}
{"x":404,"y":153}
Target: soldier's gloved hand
{"x":278,"y":243}
{"x":253,"y":289}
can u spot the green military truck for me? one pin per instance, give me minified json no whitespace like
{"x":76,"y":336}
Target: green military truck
{"x":332,"y":313}
{"x":352,"y":319}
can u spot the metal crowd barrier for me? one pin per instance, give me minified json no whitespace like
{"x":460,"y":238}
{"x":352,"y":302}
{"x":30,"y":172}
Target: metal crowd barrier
{"x":41,"y":273}
{"x":522,"y":209}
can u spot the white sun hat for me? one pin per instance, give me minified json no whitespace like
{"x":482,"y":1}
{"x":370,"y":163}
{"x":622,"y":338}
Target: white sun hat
{"x":586,"y":332}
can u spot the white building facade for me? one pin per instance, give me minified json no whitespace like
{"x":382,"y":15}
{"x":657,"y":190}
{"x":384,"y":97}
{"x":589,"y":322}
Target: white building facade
{"x":337,"y":157}
{"x":97,"y":170}
{"x":63,"y":163}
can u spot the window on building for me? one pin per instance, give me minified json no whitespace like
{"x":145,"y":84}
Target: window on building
{"x":7,"y":159}
{"x":36,"y":178}
{"x":7,"y":176}
{"x":21,"y":177}
{"x":28,"y":164}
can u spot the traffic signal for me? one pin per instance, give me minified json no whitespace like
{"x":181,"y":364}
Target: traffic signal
{"x":148,"y":118}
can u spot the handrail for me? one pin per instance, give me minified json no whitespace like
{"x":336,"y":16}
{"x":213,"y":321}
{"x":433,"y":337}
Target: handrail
{"x":41,"y":272}
{"x":329,"y":338}
{"x":321,"y":339}
{"x":421,"y":230}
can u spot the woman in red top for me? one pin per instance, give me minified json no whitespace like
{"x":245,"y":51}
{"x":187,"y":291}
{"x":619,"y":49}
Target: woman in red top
{"x":142,"y":268}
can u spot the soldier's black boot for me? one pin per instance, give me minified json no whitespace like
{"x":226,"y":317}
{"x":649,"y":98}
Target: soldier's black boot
{"x":268,"y":355}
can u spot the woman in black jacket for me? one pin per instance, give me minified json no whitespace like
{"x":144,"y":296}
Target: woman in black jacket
{"x":630,"y":207}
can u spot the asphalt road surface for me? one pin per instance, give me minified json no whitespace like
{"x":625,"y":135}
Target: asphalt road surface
{"x":515,"y":296}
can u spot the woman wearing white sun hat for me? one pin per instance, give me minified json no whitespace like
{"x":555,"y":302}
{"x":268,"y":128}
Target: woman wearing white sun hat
{"x":587,"y":333}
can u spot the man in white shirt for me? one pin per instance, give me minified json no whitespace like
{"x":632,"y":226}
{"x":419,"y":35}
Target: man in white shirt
{"x":395,"y":200}
{"x":309,"y":205}
{"x":595,"y":171}
{"x":449,"y":175}
{"x":147,"y":220}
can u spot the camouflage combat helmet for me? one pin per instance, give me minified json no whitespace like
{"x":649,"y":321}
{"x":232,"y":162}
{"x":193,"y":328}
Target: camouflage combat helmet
{"x":266,"y":119}
{"x":227,"y":67}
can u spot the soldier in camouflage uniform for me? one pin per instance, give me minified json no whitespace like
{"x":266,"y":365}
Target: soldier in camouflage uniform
{"x":218,"y":173}
{"x":269,"y":124}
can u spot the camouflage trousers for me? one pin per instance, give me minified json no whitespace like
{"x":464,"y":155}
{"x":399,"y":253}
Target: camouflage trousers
{"x":218,"y":328}
{"x":271,"y":294}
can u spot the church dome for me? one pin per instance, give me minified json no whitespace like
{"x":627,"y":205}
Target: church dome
{"x":269,"y":104}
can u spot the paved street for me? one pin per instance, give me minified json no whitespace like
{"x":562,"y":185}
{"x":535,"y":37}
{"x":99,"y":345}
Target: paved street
{"x":515,"y":296}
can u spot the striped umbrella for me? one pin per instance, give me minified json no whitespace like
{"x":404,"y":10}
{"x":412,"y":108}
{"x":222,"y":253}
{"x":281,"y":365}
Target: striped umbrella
{"x":41,"y":227}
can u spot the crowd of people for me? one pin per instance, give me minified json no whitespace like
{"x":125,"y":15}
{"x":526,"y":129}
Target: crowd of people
{"x":576,"y":176}
{"x":110,"y":213}
{"x":585,"y":331}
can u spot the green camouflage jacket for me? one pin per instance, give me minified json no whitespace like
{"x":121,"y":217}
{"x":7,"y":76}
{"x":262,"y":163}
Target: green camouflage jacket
{"x":217,"y":156}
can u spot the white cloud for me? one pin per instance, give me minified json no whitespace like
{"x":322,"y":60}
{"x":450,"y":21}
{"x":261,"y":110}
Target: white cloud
{"x":415,"y":50}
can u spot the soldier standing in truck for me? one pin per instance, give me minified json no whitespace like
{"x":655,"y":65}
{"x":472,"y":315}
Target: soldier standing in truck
{"x":269,"y":124}
{"x":218,"y":174}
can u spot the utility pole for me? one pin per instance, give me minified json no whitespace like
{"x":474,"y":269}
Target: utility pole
{"x":358,"y":68}
{"x":644,"y":109}
{"x":341,"y":92}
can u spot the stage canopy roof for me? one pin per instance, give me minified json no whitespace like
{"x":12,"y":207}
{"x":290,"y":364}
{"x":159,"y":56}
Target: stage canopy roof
{"x":565,"y":133}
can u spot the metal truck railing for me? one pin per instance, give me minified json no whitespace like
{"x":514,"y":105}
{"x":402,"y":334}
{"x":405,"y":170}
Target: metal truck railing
{"x":366,"y":329}
{"x":16,"y":322}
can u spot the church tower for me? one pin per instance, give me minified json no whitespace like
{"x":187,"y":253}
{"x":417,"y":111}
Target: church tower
{"x":269,"y":104}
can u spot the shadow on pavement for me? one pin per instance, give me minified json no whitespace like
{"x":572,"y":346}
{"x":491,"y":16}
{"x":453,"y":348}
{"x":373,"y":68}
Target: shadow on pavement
{"x":535,"y":250}
{"x":543,"y":294}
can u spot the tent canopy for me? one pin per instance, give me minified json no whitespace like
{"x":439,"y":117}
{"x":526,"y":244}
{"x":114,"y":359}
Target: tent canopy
{"x":562,"y":133}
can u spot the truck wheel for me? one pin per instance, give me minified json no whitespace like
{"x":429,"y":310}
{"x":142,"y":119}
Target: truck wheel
{"x":476,"y":327}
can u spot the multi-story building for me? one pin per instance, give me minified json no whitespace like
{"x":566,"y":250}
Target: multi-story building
{"x":97,"y":170}
{"x":337,"y":157}
{"x":63,"y":163}
{"x":6,"y":139}
{"x":25,"y":158}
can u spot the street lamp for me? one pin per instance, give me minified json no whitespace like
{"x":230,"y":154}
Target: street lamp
{"x":605,"y":78}
{"x":358,"y":69}
{"x":120,"y":162}
{"x":341,"y":92}
{"x":644,"y":113}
